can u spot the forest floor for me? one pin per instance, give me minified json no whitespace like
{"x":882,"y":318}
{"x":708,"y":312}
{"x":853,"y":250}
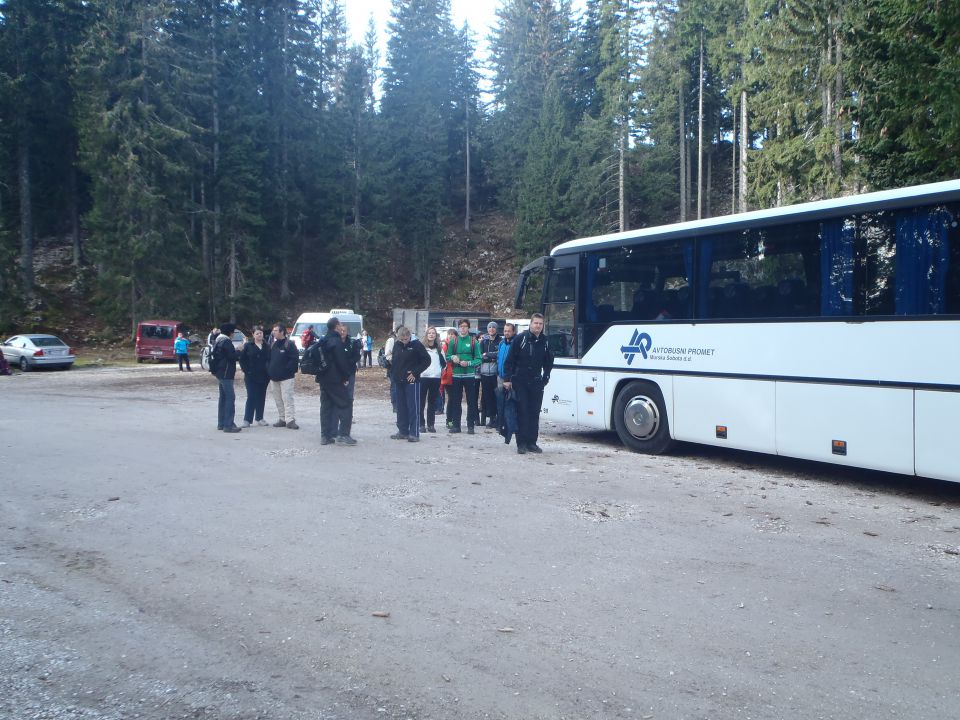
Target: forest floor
{"x":151,"y":567}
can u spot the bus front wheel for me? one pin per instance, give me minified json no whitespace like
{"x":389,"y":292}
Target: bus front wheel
{"x":641,"y":418}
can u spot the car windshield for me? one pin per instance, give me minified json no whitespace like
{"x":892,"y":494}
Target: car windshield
{"x":47,"y":342}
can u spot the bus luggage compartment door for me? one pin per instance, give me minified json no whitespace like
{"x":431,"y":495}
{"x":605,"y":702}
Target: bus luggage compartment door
{"x":937,"y":455}
{"x":743,"y":409}
{"x":874,"y":425}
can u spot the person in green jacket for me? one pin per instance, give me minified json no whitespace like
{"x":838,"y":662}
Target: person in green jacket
{"x":465,"y":355}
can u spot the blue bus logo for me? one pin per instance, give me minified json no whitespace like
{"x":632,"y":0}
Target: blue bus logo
{"x":640,"y":344}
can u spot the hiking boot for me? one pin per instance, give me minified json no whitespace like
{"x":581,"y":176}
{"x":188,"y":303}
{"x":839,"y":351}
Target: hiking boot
{"x":453,"y":429}
{"x":232,"y":429}
{"x":245,"y":424}
{"x":469,"y":429}
{"x":534,"y":448}
{"x":279,"y":423}
{"x":262,"y":423}
{"x":521,"y":450}
{"x":346,"y":440}
{"x":399,"y":436}
{"x":326,"y":441}
{"x":423,"y":428}
{"x":219,"y":427}
{"x":431,"y":428}
{"x":413,"y":438}
{"x":292,"y":426}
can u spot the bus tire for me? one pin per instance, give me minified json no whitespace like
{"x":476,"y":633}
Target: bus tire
{"x":640,"y":418}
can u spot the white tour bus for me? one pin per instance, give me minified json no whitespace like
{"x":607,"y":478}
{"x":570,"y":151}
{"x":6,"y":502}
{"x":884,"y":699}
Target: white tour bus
{"x":828,"y":331}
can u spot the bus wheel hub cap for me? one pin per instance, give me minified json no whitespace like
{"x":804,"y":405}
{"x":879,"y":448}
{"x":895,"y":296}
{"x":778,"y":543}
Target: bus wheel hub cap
{"x":641,"y":418}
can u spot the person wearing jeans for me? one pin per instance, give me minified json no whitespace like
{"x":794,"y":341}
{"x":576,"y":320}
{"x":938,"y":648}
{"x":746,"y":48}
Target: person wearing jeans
{"x":282,"y":369}
{"x":225,"y":365}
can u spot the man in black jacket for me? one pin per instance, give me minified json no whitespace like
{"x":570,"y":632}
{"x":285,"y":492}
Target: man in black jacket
{"x":410,"y":359}
{"x":527,"y":370}
{"x":282,"y":369}
{"x":336,"y":404}
{"x":224,"y":363}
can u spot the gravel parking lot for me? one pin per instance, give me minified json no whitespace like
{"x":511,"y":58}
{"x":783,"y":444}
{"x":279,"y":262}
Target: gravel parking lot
{"x":151,"y":567}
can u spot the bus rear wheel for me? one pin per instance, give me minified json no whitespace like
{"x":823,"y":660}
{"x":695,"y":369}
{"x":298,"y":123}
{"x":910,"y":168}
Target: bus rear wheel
{"x":640,"y":418}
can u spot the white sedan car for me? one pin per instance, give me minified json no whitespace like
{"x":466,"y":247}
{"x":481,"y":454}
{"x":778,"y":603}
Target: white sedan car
{"x":29,"y":352}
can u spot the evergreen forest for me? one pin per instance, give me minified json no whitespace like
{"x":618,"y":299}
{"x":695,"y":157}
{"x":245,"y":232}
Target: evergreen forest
{"x":209,"y":159}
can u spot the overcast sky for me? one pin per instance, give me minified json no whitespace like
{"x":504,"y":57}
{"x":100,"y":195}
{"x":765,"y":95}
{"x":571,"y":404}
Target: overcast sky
{"x":479,"y":14}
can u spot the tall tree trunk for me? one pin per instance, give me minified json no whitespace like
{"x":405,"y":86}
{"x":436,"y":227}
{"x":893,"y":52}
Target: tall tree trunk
{"x":285,"y":293}
{"x":709,"y":185}
{"x":744,"y":143}
{"x":214,"y":272}
{"x":683,"y":150}
{"x":466,"y":215}
{"x":700,"y":136}
{"x":26,"y":216}
{"x":133,"y":296}
{"x":733,"y":159}
{"x":73,"y":212}
{"x":838,"y":94}
{"x":233,"y":278}
{"x":622,"y":189}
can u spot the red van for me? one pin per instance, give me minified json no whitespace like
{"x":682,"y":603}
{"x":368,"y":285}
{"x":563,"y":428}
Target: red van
{"x":155,"y":339}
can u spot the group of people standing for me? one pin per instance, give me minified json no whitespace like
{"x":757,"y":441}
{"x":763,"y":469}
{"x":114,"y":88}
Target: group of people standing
{"x":265,"y":363}
{"x":501,"y":377}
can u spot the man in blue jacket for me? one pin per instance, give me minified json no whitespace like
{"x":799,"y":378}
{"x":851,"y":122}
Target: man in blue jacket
{"x":282,"y":368}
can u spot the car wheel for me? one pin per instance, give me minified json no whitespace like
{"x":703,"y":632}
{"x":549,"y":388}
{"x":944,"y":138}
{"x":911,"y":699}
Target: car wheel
{"x":24,"y":365}
{"x":640,"y":418}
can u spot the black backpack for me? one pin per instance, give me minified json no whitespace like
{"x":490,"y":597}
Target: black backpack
{"x":216,"y":359}
{"x":314,"y":361}
{"x":382,"y":358}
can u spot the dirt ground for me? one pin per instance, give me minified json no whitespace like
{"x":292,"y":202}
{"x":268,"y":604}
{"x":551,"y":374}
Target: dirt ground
{"x":152,"y":567}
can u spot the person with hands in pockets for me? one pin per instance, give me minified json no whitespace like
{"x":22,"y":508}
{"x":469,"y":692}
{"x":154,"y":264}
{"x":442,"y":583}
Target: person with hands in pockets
{"x":527,"y":371}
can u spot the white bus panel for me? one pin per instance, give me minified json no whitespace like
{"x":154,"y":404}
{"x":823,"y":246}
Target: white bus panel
{"x":744,"y":409}
{"x":874,"y":425}
{"x":937,"y":436}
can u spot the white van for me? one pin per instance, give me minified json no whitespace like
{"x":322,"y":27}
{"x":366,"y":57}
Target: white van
{"x":346,"y":316}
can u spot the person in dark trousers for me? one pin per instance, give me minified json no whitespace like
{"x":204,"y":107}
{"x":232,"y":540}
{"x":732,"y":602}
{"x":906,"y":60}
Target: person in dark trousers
{"x":336,"y":404}
{"x":410,"y":359}
{"x":282,"y":369}
{"x":430,"y":381}
{"x":253,"y":361}
{"x":489,"y":345}
{"x":181,"y":348}
{"x":506,"y":404}
{"x":224,"y":360}
{"x":527,"y":371}
{"x":464,"y":353}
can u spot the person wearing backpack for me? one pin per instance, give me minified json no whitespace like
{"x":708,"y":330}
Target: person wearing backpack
{"x":527,"y":371}
{"x":464,"y":353}
{"x":223,"y":366}
{"x":336,"y":404}
{"x":282,"y":369}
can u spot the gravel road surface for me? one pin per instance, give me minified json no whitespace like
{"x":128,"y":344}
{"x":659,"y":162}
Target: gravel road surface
{"x":151,"y":567}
